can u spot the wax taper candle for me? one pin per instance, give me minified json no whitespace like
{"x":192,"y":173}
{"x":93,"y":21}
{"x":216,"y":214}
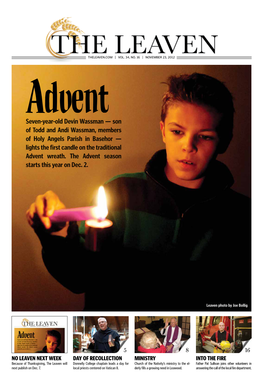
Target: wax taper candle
{"x":73,"y":214}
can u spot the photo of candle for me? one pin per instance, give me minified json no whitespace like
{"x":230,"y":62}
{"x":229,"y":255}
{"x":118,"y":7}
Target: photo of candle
{"x":98,"y":230}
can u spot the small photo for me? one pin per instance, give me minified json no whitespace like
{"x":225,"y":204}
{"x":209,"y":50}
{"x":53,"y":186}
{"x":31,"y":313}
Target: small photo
{"x":161,"y":334}
{"x":39,"y":334}
{"x":222,"y":334}
{"x":39,"y":341}
{"x":100,"y":334}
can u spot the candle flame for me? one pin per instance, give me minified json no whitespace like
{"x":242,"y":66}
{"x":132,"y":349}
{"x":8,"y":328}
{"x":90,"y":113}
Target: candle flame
{"x":102,"y":210}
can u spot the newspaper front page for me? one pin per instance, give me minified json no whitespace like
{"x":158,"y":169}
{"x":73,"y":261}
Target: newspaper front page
{"x":130,"y":159}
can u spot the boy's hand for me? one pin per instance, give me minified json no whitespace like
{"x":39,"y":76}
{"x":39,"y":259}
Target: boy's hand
{"x":44,"y":207}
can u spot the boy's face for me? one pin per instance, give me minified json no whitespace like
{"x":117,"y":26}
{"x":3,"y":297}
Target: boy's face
{"x":189,"y":133}
{"x":51,"y":343}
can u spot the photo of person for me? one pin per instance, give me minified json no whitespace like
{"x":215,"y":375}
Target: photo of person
{"x":53,"y":341}
{"x":105,"y":340}
{"x":108,"y":335}
{"x":161,"y":334}
{"x":151,"y":344}
{"x":173,"y":335}
{"x":176,"y":208}
{"x":222,"y":334}
{"x":31,"y":339}
{"x":222,"y":340}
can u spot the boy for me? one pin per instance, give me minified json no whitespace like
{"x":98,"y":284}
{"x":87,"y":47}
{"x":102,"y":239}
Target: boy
{"x":182,"y":207}
{"x":53,"y":340}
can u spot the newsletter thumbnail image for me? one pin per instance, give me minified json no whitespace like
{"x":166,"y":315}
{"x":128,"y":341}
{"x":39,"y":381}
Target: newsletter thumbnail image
{"x":108,"y":334}
{"x":41,"y":335}
{"x":162,"y":334}
{"x":222,"y":334}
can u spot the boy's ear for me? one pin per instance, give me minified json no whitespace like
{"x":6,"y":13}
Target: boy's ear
{"x":162,"y":130}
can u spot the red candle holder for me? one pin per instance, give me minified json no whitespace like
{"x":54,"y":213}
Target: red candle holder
{"x":97,"y":234}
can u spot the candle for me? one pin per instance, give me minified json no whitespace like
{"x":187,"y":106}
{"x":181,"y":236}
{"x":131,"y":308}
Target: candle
{"x":98,"y":231}
{"x":73,"y":214}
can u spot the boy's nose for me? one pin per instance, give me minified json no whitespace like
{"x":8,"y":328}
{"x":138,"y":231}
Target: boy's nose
{"x":188,"y":144}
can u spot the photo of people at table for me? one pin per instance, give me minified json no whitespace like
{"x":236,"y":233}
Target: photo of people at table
{"x":161,"y":334}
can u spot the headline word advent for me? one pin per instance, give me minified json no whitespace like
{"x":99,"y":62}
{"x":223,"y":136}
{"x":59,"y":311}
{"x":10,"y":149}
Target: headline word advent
{"x":52,"y":101}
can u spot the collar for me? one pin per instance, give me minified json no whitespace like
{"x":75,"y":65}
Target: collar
{"x":218,"y":176}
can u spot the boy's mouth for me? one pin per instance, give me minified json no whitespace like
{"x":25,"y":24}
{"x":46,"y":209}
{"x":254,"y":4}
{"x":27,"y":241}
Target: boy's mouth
{"x":186,"y":162}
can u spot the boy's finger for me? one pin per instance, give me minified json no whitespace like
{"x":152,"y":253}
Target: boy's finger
{"x":46,"y":221}
{"x":52,"y":202}
{"x":40,"y":206}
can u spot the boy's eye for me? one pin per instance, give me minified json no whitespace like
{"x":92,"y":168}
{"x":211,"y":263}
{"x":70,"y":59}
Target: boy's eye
{"x":177,"y":132}
{"x":206,"y":137}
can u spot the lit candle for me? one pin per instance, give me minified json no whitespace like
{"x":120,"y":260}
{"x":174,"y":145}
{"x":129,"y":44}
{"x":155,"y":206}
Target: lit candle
{"x":98,"y":231}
